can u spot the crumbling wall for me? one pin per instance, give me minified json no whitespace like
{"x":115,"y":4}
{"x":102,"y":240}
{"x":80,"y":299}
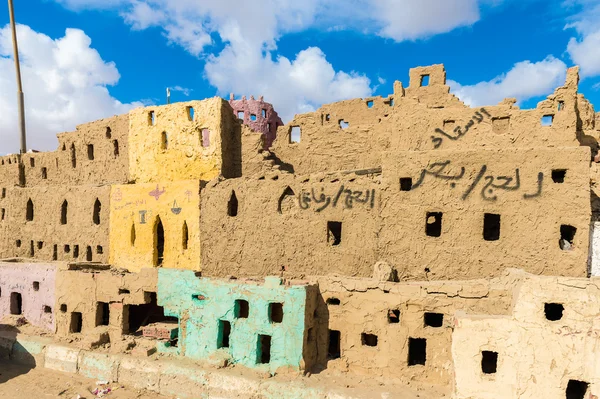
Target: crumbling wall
{"x":400,"y":333}
{"x":64,"y":223}
{"x":95,"y":153}
{"x":135,"y":213}
{"x":303,"y":225}
{"x":84,"y":295}
{"x":546,"y":347}
{"x":258,"y":324}
{"x":27,"y":289}
{"x":259,"y":115}
{"x":180,"y":141}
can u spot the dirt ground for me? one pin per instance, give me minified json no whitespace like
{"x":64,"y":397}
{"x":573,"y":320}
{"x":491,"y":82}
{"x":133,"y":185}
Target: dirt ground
{"x":20,"y":382}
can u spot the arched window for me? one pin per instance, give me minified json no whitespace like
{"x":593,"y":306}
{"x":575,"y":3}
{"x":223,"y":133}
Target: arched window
{"x":73,"y":156}
{"x":29,"y":213}
{"x":286,"y":199}
{"x":97,"y":209}
{"x":159,"y":242}
{"x":232,"y":205}
{"x":185,"y":235}
{"x":63,"y":212}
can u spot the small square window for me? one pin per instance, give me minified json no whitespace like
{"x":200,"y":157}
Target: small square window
{"x":334,"y":347}
{"x":433,"y":224}
{"x":424,"y":80}
{"x":489,"y":362}
{"x":343,"y":124}
{"x":553,"y":311}
{"x":370,"y":103}
{"x":567,"y":236}
{"x":491,"y":227}
{"x":276,"y":312}
{"x":577,"y":389}
{"x":36,"y":285}
{"x":240,"y":115}
{"x":558,"y":175}
{"x":252,"y":117}
{"x":405,"y":183}
{"x":393,"y":316}
{"x":295,"y":134}
{"x":333,"y":301}
{"x":368,"y":339}
{"x":561,"y":105}
{"x":433,"y":319}
{"x":547,"y":120}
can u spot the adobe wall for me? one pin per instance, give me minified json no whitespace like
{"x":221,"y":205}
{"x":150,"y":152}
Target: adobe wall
{"x":35,"y":283}
{"x":381,"y":221}
{"x":536,"y":356}
{"x":259,"y":115}
{"x":82,"y":290}
{"x":212,"y":318}
{"x":421,"y":118}
{"x":184,"y":141}
{"x":84,"y":236}
{"x":95,"y":153}
{"x":135,"y":211}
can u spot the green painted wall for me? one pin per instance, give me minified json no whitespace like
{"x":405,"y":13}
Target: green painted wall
{"x":207,"y":302}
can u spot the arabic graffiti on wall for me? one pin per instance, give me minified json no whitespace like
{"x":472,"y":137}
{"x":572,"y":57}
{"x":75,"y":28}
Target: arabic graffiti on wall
{"x":348,"y":199}
{"x":490,"y":183}
{"x":459,"y":131}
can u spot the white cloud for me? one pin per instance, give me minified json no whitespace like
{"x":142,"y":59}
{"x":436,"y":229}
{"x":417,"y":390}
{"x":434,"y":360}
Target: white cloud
{"x":294,"y":86}
{"x":249,"y":64}
{"x":414,"y":19}
{"x":65,"y":83}
{"x":524,"y":81}
{"x":183,"y":90}
{"x":584,"y":50}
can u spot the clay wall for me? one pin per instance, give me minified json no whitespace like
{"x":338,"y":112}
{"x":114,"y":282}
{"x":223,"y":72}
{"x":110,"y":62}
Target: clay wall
{"x":197,"y":140}
{"x":67,"y":223}
{"x":135,"y":211}
{"x":260,"y":324}
{"x":546,"y":347}
{"x":440,"y":226}
{"x":84,"y":296}
{"x":259,"y":115}
{"x":399,"y":332}
{"x":9,"y":172}
{"x":27,"y":289}
{"x":95,"y":153}
{"x":421,"y":118}
{"x":291,"y":230}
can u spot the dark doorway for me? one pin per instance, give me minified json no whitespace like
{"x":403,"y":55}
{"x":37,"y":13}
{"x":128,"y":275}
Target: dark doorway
{"x":159,"y":242}
{"x":16,"y":303}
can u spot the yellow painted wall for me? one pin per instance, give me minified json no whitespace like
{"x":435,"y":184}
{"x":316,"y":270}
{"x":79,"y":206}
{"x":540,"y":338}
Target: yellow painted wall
{"x":138,"y":206}
{"x":183,"y":157}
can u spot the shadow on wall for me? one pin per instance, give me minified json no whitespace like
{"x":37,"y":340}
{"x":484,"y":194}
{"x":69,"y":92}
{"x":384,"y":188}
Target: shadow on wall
{"x":21,"y":361}
{"x":328,"y":341}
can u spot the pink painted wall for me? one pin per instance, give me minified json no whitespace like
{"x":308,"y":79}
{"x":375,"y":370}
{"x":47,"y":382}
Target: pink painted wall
{"x":267,"y":121}
{"x":20,"y":277}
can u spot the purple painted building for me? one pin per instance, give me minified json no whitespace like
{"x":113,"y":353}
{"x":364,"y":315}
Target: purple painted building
{"x":259,"y":115}
{"x":28,"y":289}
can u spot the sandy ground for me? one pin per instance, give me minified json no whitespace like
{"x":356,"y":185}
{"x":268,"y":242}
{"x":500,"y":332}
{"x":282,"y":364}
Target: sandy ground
{"x":19,"y":382}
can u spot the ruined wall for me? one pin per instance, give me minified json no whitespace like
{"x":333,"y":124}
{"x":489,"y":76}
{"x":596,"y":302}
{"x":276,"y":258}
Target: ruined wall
{"x":93,"y":306}
{"x":398,"y":332}
{"x":546,"y":347}
{"x":135,"y":213}
{"x":430,"y":214}
{"x":259,"y":115}
{"x":27,"y":289}
{"x":95,"y":153}
{"x":258,"y":324}
{"x":65,"y":223}
{"x":183,"y":141}
{"x":426,"y":117}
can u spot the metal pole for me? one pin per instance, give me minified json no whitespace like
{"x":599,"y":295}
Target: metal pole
{"x":20,"y":96}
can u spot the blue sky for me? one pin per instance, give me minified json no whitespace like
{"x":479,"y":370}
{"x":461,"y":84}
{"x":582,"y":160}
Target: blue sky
{"x":88,"y":59}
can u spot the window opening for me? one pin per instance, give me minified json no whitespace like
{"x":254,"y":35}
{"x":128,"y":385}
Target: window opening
{"x":558,"y":175}
{"x":76,"y":322}
{"x":16,"y":303}
{"x":29,"y":213}
{"x":424,"y":80}
{"x":405,"y":183}
{"x":567,"y":235}
{"x":333,"y":301}
{"x":295,"y":134}
{"x":73,"y":156}
{"x":334,"y":347}
{"x":370,"y":103}
{"x":276,"y":312}
{"x":334,"y":233}
{"x":489,"y":362}
{"x":36,"y":285}
{"x":553,"y":311}
{"x":264,"y":348}
{"x":241,"y":309}
{"x":547,"y":120}
{"x":97,"y":209}
{"x":164,"y":141}
{"x":224,"y":332}
{"x":90,"y":152}
{"x":159,"y":242}
{"x":63,"y":212}
{"x":108,"y":132}
{"x":433,"y":224}
{"x":185,"y":235}
{"x":577,"y":389}
{"x":232,"y":205}
{"x":417,"y":351}
{"x":368,"y":339}
{"x":393,"y":316}
{"x":44,"y":173}
{"x":88,"y":254}
{"x":190,"y":112}
{"x":252,"y":117}
{"x":491,"y":227}
{"x":433,"y":319}
{"x":102,"y":314}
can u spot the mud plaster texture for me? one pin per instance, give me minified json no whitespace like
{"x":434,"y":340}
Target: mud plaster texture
{"x":35,"y":283}
{"x":389,"y":207}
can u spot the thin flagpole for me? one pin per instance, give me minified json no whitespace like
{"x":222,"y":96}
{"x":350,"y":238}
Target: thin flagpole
{"x":20,"y":95}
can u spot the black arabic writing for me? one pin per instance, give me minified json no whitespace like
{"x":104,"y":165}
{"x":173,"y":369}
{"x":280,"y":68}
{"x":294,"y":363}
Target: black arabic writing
{"x":349,"y":198}
{"x":458,"y":131}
